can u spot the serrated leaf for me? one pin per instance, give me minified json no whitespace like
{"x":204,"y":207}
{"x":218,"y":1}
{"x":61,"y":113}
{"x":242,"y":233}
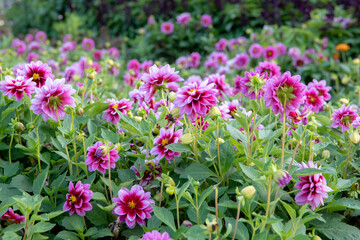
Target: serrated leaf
{"x":165,"y":216}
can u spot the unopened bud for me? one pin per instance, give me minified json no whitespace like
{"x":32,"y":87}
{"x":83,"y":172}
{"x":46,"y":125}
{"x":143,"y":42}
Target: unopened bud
{"x":100,"y":82}
{"x":118,"y":147}
{"x":157,"y":197}
{"x":170,"y":190}
{"x":355,"y":137}
{"x":214,"y":112}
{"x":107,"y":44}
{"x":186,"y":138}
{"x":248,"y":192}
{"x":110,"y":62}
{"x":138,"y":119}
{"x":356,"y":61}
{"x":175,"y":112}
{"x":129,"y":113}
{"x":171,"y":96}
{"x":345,"y":80}
{"x":19,"y":127}
{"x":325,"y":154}
{"x":79,"y":111}
{"x":344,"y":101}
{"x":316,"y":237}
{"x":187,"y":223}
{"x":142,"y":112}
{"x":220,"y":141}
{"x":156,"y":129}
{"x":282,"y":177}
{"x":91,"y":76}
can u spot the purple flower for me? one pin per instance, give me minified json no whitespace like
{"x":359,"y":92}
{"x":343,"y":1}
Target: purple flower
{"x":286,"y":91}
{"x":88,"y":44}
{"x":255,"y":50}
{"x":50,"y":100}
{"x":343,"y":117}
{"x":281,"y":49}
{"x":17,"y":87}
{"x":78,"y":199}
{"x":194,"y":60}
{"x":313,"y":100}
{"x":133,"y":206}
{"x":167,"y":28}
{"x":165,"y":138}
{"x":155,"y":235}
{"x":122,"y":106}
{"x":240,"y":61}
{"x":270,"y":53}
{"x":39,"y":72}
{"x":98,"y":55}
{"x":221,"y":45}
{"x":98,"y":157}
{"x":206,"y":20}
{"x":182,"y":61}
{"x":282,"y":178}
{"x":196,"y":98}
{"x":221,"y":86}
{"x":12,"y":217}
{"x":294,"y":52}
{"x":113,"y":52}
{"x":313,"y":188}
{"x":183,"y":18}
{"x":272,"y":69}
{"x":32,"y":57}
{"x":252,"y":84}
{"x":41,"y":37}
{"x":134,"y":65}
{"x":321,"y":87}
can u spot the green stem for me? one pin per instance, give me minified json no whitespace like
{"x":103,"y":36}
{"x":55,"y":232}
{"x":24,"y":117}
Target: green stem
{"x":66,"y":148}
{"x":11,"y":140}
{"x":38,"y":148}
{"x":267,"y":202}
{"x":283,"y":139}
{"x":347,"y":160}
{"x":237,"y":219}
{"x":177,"y":211}
{"x":74,"y":143}
{"x":197,"y":206}
{"x":218,"y":148}
{"x":217,"y":212}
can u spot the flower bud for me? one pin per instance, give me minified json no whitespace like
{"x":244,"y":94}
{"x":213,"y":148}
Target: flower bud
{"x":316,"y":237}
{"x":355,"y":137}
{"x":175,"y":112}
{"x":91,"y":76}
{"x":186,"y":138}
{"x":248,"y":192}
{"x":100,"y":82}
{"x":19,"y":127}
{"x":325,"y":154}
{"x":282,"y":177}
{"x":356,"y":61}
{"x":345,"y":80}
{"x":220,"y":141}
{"x":79,"y":111}
{"x":157,"y":197}
{"x":214,"y":112}
{"x":118,"y":147}
{"x":187,"y":223}
{"x":107,"y":44}
{"x":142,"y":112}
{"x":170,"y":190}
{"x":344,"y":101}
{"x":0,"y":70}
{"x":171,"y":96}
{"x":138,"y":119}
{"x":156,"y":129}
{"x":110,"y":62}
{"x":129,"y":113}
{"x":68,"y":110}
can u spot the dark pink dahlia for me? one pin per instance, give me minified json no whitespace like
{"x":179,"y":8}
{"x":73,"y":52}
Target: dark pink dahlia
{"x":12,"y":217}
{"x":39,"y":72}
{"x":17,"y":87}
{"x":343,"y":117}
{"x":78,"y":199}
{"x":123,"y":106}
{"x":252,"y":84}
{"x":98,"y":157}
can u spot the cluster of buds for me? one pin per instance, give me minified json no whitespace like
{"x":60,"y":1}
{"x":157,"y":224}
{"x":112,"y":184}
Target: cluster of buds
{"x":169,"y":184}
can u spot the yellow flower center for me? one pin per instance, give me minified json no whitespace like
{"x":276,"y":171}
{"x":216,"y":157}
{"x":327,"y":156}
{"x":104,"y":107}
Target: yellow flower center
{"x":193,"y":90}
{"x":132,"y":204}
{"x":35,"y":76}
{"x":72,"y":198}
{"x":312,"y":99}
{"x":165,"y":141}
{"x":115,"y":106}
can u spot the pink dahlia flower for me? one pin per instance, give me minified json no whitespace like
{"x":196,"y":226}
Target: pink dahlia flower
{"x":78,"y":199}
{"x":272,"y":69}
{"x":88,"y":44}
{"x":240,"y":61}
{"x":32,"y":57}
{"x":113,"y":52}
{"x":313,"y":100}
{"x":196,"y":98}
{"x":194,"y":60}
{"x":29,"y":38}
{"x":270,"y":53}
{"x":322,"y":88}
{"x":156,"y":77}
{"x":50,"y":100}
{"x":167,"y":28}
{"x":206,"y":20}
{"x":297,"y":117}
{"x":69,"y":74}
{"x":232,"y":107}
{"x":123,"y":106}
{"x":220,"y":84}
{"x":294,"y":52}
{"x":12,"y":217}
{"x":343,"y":117}
{"x":39,"y":72}
{"x":221,"y":45}
{"x":155,"y":235}
{"x":17,"y":87}
{"x":252,"y":84}
{"x":134,"y":65}
{"x":133,"y":206}
{"x":165,"y":138}
{"x":237,"y":85}
{"x":255,"y":50}
{"x":41,"y":37}
{"x":281,"y":49}
{"x":98,"y":55}
{"x":313,"y":188}
{"x":183,"y":18}
{"x":286,"y":90}
{"x":151,"y":20}
{"x":145,"y":66}
{"x":282,"y":178}
{"x":98,"y":157}
{"x":183,"y":62}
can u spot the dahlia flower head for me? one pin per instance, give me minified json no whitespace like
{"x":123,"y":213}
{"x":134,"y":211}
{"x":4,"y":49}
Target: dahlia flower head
{"x":270,"y":53}
{"x":17,"y":87}
{"x":41,"y":37}
{"x":78,"y":199}
{"x":88,"y":44}
{"x":50,"y":100}
{"x":38,"y":71}
{"x":183,"y":18}
{"x":113,"y":52}
{"x":196,"y":98}
{"x":155,"y":235}
{"x":134,"y":65}
{"x":194,"y":59}
{"x":343,"y":117}
{"x":285,"y":89}
{"x":206,"y":20}
{"x":313,"y":100}
{"x":240,"y":61}
{"x":157,"y":77}
{"x":98,"y":55}
{"x":282,"y":178}
{"x":294,"y":52}
{"x":272,"y":69}
{"x":133,"y":206}
{"x":167,"y":28}
{"x":252,"y":84}
{"x":237,"y":85}
{"x":313,"y":188}
{"x":321,"y":87}
{"x":231,"y":107}
{"x":281,"y":49}
{"x":11,"y":217}
{"x":111,"y":115}
{"x":165,"y":138}
{"x":220,"y":84}
{"x":221,"y":45}
{"x":32,"y":57}
{"x":299,"y":117}
{"x":182,"y":61}
{"x":98,"y":157}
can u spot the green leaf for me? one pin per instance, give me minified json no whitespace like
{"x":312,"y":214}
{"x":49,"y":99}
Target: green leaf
{"x":241,"y":232}
{"x":11,"y":169}
{"x":105,"y":232}
{"x":249,"y":172}
{"x":11,"y":236}
{"x":110,"y":136}
{"x":66,"y":235}
{"x":290,"y":210}
{"x":42,"y":227}
{"x":95,"y":108}
{"x":165,"y":216}
{"x":40,"y":181}
{"x":237,"y":135}
{"x":91,"y":127}
{"x":308,"y":172}
{"x":99,"y":196}
{"x":74,"y":222}
{"x":22,"y":182}
{"x":227,"y":156}
{"x":333,"y":229}
{"x":198,"y":171}
{"x":345,"y":203}
{"x":195,"y":233}
{"x":178,"y":147}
